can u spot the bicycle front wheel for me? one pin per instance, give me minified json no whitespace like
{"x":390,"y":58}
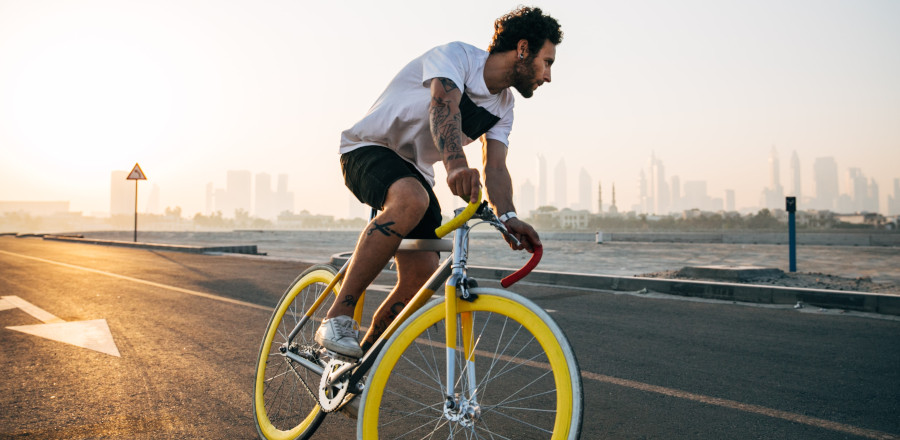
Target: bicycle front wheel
{"x":524,"y":370}
{"x":285,"y":403}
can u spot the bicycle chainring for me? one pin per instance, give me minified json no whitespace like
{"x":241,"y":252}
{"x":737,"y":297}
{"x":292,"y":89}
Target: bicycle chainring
{"x":331,"y":396}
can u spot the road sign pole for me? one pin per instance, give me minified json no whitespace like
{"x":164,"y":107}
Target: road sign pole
{"x":136,"y":174}
{"x":135,"y":210}
{"x":791,"y":208}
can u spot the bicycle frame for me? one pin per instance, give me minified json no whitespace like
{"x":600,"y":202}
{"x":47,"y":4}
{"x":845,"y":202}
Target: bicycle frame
{"x":452,"y":274}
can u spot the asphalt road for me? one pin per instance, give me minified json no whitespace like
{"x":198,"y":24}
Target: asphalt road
{"x":187,"y":330}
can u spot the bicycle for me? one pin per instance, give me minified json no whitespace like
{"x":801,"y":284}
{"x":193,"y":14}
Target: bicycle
{"x":477,"y":363}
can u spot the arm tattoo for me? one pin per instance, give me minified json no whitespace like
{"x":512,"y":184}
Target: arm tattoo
{"x":448,"y":84}
{"x":445,"y":124}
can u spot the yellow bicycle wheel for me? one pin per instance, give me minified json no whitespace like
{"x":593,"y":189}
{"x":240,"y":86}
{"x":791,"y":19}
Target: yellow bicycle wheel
{"x":524,"y":370}
{"x":285,"y":403}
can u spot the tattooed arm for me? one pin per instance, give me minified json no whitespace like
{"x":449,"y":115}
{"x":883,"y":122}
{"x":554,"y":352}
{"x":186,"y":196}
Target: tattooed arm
{"x":446,"y":122}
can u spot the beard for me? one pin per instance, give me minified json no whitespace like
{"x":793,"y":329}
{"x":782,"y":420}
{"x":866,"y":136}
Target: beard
{"x":523,"y":77}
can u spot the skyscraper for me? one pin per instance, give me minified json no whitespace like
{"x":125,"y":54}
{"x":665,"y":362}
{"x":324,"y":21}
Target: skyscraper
{"x":264,"y":203}
{"x":773,"y":195}
{"x":584,"y":190}
{"x":525,"y":199}
{"x":284,"y":199}
{"x":238,"y":187}
{"x":696,"y":195}
{"x":658,"y":187}
{"x":560,"y":187}
{"x":542,"y":181}
{"x":796,"y":189}
{"x":729,"y":200}
{"x":857,"y":189}
{"x":894,"y":200}
{"x":825,"y":180}
{"x":676,"y":204}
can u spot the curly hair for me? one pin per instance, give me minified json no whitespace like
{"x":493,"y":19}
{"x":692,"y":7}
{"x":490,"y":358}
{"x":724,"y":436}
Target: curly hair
{"x":524,"y":23}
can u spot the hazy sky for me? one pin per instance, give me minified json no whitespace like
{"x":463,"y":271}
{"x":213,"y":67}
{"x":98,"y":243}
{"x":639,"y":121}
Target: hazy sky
{"x":190,"y":89}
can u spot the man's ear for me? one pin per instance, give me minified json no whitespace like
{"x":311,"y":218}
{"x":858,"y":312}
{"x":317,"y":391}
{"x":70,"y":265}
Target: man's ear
{"x":522,"y":48}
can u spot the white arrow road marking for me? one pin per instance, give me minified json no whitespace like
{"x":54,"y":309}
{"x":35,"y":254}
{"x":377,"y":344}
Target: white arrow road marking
{"x":31,"y":309}
{"x":5,"y":305}
{"x":93,"y":335}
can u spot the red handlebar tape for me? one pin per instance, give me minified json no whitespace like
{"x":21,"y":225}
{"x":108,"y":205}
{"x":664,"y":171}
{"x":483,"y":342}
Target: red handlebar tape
{"x":525,"y":270}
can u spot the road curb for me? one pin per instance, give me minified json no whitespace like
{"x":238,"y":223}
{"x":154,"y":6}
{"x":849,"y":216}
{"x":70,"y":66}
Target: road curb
{"x":236,"y":249}
{"x":749,"y":293}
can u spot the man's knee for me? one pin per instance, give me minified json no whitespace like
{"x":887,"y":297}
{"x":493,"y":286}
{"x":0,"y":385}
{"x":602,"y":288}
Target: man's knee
{"x":408,"y":198}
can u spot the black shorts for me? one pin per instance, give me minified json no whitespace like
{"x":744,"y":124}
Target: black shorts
{"x":370,"y":171}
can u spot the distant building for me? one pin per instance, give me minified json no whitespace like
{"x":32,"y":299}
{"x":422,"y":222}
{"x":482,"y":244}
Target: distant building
{"x":696,"y":195}
{"x":894,"y":200}
{"x":773,"y":195}
{"x":35,"y":209}
{"x":825,"y":181}
{"x":284,"y":199}
{"x":542,"y":181}
{"x":560,"y":187}
{"x":677,"y":204}
{"x":584,"y":190}
{"x":796,"y":186}
{"x":658,"y":187}
{"x":729,"y":200}
{"x":525,"y":197}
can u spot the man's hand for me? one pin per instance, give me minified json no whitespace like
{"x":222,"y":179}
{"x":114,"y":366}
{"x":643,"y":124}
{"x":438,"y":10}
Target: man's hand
{"x":526,"y":235}
{"x":464,"y":182}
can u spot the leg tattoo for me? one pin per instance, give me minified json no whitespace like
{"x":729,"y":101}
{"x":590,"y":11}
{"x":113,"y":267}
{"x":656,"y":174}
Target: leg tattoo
{"x":384,"y":229}
{"x":382,"y":325}
{"x":349,"y":301}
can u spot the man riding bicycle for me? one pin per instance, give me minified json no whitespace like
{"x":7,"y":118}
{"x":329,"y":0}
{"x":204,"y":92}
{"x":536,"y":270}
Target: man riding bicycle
{"x":440,"y":101}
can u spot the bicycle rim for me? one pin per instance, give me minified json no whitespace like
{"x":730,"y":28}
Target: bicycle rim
{"x":526,"y":374}
{"x":283,"y":405}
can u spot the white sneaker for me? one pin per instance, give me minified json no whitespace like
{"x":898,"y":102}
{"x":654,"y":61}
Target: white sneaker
{"x":340,"y":335}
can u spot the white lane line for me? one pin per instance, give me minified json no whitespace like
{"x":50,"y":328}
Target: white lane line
{"x":33,"y":310}
{"x":745,"y":407}
{"x":715,"y":401}
{"x":144,"y":282}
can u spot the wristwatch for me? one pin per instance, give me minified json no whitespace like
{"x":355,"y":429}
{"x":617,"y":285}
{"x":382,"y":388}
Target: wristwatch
{"x":505,"y":217}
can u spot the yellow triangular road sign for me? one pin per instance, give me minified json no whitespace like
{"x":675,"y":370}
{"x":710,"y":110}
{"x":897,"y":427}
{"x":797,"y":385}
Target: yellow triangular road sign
{"x":136,"y":173}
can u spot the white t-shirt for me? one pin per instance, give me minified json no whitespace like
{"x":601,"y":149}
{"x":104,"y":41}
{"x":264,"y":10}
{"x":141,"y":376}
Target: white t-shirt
{"x":399,"y":118}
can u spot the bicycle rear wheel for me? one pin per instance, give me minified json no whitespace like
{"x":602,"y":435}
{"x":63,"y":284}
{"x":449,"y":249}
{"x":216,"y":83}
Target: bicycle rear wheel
{"x":285,"y":403}
{"x":525,"y":372}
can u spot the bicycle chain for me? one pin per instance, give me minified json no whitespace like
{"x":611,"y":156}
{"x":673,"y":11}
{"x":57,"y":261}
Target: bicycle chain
{"x":314,"y":395}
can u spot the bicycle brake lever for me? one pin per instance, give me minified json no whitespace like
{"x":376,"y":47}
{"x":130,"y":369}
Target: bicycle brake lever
{"x":502,"y":228}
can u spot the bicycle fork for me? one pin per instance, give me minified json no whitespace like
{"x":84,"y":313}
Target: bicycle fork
{"x":462,"y":407}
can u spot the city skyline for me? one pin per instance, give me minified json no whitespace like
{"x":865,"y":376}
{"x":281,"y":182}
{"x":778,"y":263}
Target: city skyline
{"x":94,"y":87}
{"x":671,"y":196}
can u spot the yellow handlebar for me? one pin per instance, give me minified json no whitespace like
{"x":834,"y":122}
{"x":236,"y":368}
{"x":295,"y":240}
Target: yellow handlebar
{"x":458,"y":221}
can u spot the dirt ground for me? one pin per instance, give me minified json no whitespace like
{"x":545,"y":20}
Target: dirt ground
{"x":802,"y":280}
